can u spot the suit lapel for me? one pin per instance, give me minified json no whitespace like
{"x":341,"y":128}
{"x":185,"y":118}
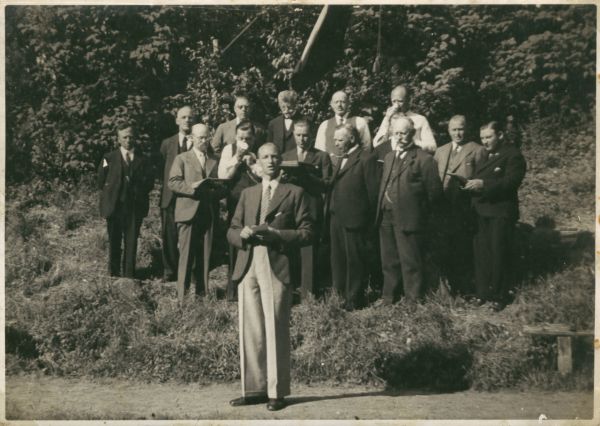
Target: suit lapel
{"x":308,"y":157}
{"x":459,"y":158}
{"x":254,"y":203}
{"x":210,"y":165}
{"x":135,"y":163}
{"x":491,"y":161}
{"x":281,"y":192}
{"x":352,"y":160}
{"x":408,"y":158}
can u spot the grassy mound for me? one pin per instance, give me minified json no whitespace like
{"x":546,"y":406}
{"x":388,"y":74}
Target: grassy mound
{"x":65,"y":316}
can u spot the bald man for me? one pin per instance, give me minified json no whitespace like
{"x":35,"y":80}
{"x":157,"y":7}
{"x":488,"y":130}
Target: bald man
{"x":271,"y":221}
{"x":423,"y":137}
{"x":195,"y":210}
{"x":169,"y":149}
{"x":340,"y":106}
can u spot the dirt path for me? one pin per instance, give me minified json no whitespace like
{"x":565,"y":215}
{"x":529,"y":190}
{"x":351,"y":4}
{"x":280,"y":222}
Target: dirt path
{"x":30,"y":397}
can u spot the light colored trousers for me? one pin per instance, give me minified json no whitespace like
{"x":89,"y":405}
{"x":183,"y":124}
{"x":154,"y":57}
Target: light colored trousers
{"x":264,"y":313}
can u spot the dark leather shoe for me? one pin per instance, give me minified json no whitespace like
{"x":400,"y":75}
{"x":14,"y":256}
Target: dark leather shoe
{"x":248,"y":400}
{"x":276,"y":404}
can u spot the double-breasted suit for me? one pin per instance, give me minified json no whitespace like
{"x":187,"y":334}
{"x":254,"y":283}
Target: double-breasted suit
{"x":280,"y":135}
{"x":124,"y":190}
{"x":410,"y":189}
{"x":456,"y":222}
{"x":169,"y":149}
{"x":351,"y":205}
{"x":196,"y":211}
{"x":497,"y":208}
{"x":263,"y":271}
{"x":315,"y":187}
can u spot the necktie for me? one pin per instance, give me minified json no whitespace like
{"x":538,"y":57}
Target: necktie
{"x":264,"y":204}
{"x":128,"y":158}
{"x":184,"y":144}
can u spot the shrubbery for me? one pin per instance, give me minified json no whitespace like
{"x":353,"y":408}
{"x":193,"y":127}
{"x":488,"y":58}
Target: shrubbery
{"x":66,"y":317}
{"x":74,"y":71}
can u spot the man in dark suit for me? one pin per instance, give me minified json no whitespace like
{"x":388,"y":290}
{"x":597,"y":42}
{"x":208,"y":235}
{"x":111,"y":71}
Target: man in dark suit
{"x":169,"y":149}
{"x":271,"y":221}
{"x":226,"y":132}
{"x":456,"y":163}
{"x":280,"y":129}
{"x":495,"y":187}
{"x":195,"y":210}
{"x":315,"y":186}
{"x":238,"y":165}
{"x":351,"y":205}
{"x":409,"y":190}
{"x":125,"y":181}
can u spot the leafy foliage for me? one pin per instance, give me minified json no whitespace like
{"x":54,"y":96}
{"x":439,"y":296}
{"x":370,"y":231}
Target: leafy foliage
{"x":74,"y":71}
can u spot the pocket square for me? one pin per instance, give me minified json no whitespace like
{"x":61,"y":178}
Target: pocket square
{"x":104,"y":162}
{"x":278,"y":213}
{"x":497,"y":169}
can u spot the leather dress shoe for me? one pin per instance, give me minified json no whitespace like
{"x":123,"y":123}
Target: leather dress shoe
{"x":276,"y":404}
{"x":248,"y":400}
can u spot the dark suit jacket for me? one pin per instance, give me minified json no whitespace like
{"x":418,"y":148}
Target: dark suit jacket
{"x":353,"y":190}
{"x":288,"y":212}
{"x":314,"y":185}
{"x":277,"y":134}
{"x":417,"y":188}
{"x":502,"y":175}
{"x":110,"y":180}
{"x":186,"y":170}
{"x":169,"y":149}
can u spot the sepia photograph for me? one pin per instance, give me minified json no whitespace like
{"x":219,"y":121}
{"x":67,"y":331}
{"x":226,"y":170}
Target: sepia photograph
{"x":297,"y":212}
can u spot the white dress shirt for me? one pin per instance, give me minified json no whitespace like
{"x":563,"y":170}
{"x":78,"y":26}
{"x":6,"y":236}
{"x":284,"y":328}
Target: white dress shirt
{"x":188,"y":141}
{"x":423,"y":134}
{"x":345,"y":160}
{"x":361,"y":126}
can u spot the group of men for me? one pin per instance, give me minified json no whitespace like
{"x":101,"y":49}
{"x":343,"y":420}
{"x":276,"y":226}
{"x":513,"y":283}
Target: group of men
{"x":292,"y":203}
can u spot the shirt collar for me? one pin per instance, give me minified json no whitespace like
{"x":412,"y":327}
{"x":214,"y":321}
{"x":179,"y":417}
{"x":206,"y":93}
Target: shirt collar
{"x":351,"y":150}
{"x":273,"y":183}
{"x":183,"y":135}
{"x":124,"y":152}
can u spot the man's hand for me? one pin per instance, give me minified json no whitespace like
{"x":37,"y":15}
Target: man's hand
{"x":474,"y":185}
{"x":390,"y":111}
{"x":246,"y":233}
{"x":242,"y":149}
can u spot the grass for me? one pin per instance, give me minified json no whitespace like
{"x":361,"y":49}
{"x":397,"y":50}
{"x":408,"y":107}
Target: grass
{"x":66,"y":317}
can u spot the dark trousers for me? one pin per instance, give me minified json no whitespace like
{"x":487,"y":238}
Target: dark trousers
{"x":492,"y":254}
{"x":191,"y":256}
{"x":456,"y":259}
{"x":231,"y":285}
{"x":123,"y":226}
{"x":170,"y":253}
{"x":348,"y":263}
{"x":402,"y":260}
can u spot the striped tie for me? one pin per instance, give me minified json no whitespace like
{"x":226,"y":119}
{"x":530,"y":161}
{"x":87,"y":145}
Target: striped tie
{"x":264,"y":204}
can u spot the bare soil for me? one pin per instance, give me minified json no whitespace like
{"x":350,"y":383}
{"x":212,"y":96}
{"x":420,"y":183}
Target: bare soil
{"x":49,"y":398}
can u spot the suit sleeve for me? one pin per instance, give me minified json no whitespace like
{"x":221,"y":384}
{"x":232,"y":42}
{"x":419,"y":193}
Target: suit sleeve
{"x":102,"y":173}
{"x":303,"y":234}
{"x":372,"y":176}
{"x":509,"y":182}
{"x":217,"y":140}
{"x":433,"y":184}
{"x":177,"y":182}
{"x":237,"y":224}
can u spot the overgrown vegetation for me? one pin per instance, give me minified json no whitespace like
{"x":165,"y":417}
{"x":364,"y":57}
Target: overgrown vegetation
{"x":66,"y":317}
{"x":73,"y":71}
